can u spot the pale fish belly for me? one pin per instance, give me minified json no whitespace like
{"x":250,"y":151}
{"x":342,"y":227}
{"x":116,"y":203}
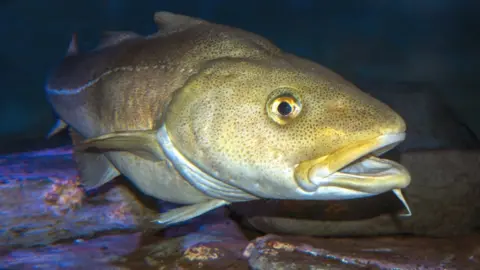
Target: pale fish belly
{"x":156,"y":179}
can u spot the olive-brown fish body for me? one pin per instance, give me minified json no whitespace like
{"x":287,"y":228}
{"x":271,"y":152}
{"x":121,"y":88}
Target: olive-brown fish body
{"x":206,"y":114}
{"x":119,"y":88}
{"x":125,"y":86}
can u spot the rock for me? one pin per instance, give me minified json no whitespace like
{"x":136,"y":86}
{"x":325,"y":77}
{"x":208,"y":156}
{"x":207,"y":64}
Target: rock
{"x":41,"y":202}
{"x":213,"y":245}
{"x":216,"y":245}
{"x":104,"y":252}
{"x":219,"y":246}
{"x":464,"y":102}
{"x":443,"y":196}
{"x":276,"y":252}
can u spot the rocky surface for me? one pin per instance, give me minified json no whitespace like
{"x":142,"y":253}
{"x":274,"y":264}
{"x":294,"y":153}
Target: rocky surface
{"x":277,"y":252}
{"x":48,"y":222}
{"x":41,"y":202}
{"x":216,"y":245}
{"x":226,"y":250}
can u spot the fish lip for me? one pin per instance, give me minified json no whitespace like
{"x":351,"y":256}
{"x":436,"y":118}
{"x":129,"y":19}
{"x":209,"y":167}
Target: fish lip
{"x":331,"y":170}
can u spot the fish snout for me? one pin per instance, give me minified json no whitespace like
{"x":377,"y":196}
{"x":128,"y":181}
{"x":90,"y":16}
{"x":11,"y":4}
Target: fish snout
{"x":393,"y":124}
{"x":354,"y":168}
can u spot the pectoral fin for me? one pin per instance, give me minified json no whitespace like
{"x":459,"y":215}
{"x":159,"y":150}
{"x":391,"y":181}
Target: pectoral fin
{"x":188,"y":212}
{"x":140,"y":143}
{"x":94,"y":169}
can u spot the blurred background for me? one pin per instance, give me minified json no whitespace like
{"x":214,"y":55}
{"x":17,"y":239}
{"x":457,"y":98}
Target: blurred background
{"x":420,"y":57}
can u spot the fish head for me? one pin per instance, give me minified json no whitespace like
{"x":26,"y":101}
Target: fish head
{"x":284,"y":127}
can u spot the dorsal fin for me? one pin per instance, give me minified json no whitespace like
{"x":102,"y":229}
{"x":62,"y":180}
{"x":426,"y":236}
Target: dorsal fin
{"x":168,"y":22}
{"x":111,"y":38}
{"x":73,"y":47}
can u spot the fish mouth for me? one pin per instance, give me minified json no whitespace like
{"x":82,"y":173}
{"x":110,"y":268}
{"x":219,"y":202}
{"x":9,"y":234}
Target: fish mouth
{"x":356,"y":167}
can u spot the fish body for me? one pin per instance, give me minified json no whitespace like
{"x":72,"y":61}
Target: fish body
{"x":111,"y":90}
{"x":205,"y":114}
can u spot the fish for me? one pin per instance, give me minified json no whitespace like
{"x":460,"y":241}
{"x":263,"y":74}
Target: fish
{"x":205,"y":115}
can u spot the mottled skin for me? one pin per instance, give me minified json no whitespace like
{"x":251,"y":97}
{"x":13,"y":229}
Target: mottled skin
{"x":250,"y":146}
{"x":209,"y":85}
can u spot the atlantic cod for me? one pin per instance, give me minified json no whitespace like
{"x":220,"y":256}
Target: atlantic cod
{"x":204,"y":115}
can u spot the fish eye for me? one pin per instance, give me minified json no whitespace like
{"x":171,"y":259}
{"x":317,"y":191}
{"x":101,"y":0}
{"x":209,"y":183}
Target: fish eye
{"x":283,"y":107}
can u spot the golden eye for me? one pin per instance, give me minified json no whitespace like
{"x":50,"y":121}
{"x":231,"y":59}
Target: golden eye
{"x":283,"y":108}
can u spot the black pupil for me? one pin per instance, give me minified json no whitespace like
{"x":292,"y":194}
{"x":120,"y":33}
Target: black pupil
{"x":284,"y":108}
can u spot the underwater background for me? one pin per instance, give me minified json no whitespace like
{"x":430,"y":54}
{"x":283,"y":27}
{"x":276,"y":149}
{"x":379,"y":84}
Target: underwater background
{"x":421,"y":57}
